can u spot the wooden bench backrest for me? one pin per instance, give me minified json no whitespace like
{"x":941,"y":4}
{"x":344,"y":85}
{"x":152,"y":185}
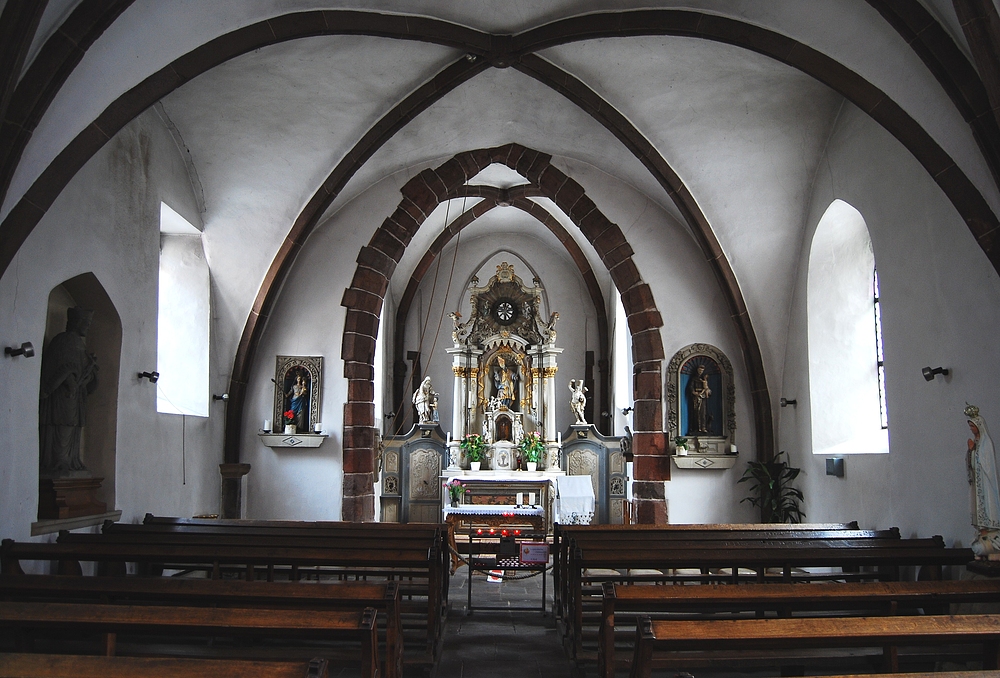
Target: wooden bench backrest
{"x":17,"y":665}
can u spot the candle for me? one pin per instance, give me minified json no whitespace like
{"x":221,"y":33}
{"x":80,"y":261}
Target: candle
{"x":531,"y":498}
{"x":318,"y":427}
{"x":559,"y":437}
{"x":732,"y":449}
{"x":267,"y":425}
{"x":449,"y":437}
{"x":520,"y":498}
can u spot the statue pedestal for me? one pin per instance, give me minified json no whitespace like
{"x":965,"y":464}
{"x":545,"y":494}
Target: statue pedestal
{"x":69,"y":498}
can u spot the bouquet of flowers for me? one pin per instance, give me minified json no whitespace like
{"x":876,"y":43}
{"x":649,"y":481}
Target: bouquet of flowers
{"x":289,"y":417}
{"x":456,"y":490}
{"x":532,"y":447}
{"x":474,"y":447}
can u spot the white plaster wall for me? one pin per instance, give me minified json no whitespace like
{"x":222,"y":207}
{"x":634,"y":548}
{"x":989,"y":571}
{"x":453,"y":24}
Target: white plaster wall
{"x":107,"y":222}
{"x":308,"y":320}
{"x":940,"y":306}
{"x":694,"y":310}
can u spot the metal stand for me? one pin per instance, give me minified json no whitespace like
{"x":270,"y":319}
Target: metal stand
{"x":485,"y":564}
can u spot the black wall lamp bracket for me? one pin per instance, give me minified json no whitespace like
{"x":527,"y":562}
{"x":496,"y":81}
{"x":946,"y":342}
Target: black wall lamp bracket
{"x":25,"y":349}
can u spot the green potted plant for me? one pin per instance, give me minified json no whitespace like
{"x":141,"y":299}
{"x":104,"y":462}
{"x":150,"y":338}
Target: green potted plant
{"x":532,"y":447}
{"x":772,"y":492}
{"x":682,"y":445}
{"x":475,"y":448}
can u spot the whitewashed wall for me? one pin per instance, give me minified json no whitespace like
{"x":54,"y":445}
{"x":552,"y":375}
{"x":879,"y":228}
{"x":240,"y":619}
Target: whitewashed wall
{"x":107,"y":222}
{"x":940,"y":306}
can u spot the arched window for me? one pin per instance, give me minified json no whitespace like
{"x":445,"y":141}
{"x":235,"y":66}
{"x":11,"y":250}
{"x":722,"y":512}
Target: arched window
{"x":846,"y":370}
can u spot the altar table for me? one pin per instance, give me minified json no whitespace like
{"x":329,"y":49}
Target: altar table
{"x":490,"y":515}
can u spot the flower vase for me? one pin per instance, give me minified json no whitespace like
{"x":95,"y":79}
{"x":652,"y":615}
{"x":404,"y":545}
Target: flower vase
{"x":454,"y":502}
{"x":532,"y":466}
{"x":475,"y":465}
{"x":289,"y":429}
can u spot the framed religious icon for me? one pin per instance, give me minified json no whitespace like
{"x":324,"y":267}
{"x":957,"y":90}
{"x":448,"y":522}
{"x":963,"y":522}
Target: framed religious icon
{"x":700,"y":402}
{"x":298,"y":382}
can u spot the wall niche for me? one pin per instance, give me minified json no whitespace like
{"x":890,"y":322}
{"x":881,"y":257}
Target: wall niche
{"x":70,"y":499}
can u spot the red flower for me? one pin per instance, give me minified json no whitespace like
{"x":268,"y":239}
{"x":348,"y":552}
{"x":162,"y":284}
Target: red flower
{"x":289,"y":415}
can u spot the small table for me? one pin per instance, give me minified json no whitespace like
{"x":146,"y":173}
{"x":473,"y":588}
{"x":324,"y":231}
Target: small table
{"x":487,"y":563}
{"x":492,"y":516}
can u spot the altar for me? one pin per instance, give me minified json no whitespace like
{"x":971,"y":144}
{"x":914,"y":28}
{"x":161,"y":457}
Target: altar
{"x":504,"y":359}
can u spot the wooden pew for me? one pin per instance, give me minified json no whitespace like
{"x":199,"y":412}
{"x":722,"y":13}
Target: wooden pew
{"x":383,"y":597}
{"x":378,"y":535}
{"x":18,"y":665}
{"x":783,"y":599}
{"x":694,"y":642}
{"x":567,"y":537}
{"x":785,"y":556}
{"x":112,"y":620}
{"x":389,"y":563}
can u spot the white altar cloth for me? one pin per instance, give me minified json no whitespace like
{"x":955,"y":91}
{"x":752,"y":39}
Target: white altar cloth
{"x":493,"y":510}
{"x":574,"y":503}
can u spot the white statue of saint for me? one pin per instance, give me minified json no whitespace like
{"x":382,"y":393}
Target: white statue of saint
{"x":578,"y":401}
{"x":981,"y":463}
{"x":425,"y":400}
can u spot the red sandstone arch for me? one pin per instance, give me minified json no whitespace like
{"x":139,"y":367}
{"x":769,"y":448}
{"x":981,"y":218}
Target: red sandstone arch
{"x":376,"y":263}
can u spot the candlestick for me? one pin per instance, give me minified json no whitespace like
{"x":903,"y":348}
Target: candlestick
{"x":267,"y":425}
{"x":531,"y":498}
{"x":318,"y":427}
{"x":520,"y":498}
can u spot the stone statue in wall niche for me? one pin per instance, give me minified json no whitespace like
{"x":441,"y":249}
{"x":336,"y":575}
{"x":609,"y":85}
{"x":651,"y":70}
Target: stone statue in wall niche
{"x":984,"y":480}
{"x":69,"y":375}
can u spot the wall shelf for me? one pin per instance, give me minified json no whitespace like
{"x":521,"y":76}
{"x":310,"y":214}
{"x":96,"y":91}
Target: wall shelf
{"x":292,"y":439}
{"x":705,"y":461}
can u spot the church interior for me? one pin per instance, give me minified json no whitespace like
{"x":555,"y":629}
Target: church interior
{"x":665,"y":240}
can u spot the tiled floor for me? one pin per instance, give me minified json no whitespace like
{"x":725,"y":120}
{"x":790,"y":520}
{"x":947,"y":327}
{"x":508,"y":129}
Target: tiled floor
{"x":501,"y":643}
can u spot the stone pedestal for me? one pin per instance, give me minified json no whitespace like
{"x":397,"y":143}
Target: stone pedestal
{"x":69,"y":498}
{"x":232,"y":489}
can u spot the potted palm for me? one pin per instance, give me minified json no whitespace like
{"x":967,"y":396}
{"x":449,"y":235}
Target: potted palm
{"x":474,"y":447}
{"x":771,"y":492}
{"x":532,"y":448}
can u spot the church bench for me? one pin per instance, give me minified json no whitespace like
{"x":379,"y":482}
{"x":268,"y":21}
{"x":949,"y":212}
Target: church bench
{"x":419,"y":565}
{"x":717,"y":537}
{"x":566,"y":536}
{"x":690,"y":643}
{"x":781,"y":599}
{"x":27,"y":618}
{"x":20,"y":665}
{"x":590,"y":568}
{"x":383,"y":597}
{"x":335,"y":532}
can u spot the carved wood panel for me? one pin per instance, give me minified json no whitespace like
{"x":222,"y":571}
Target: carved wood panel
{"x":425,"y":467}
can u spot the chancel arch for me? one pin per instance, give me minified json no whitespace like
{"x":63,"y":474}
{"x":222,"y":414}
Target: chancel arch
{"x":363,"y":299}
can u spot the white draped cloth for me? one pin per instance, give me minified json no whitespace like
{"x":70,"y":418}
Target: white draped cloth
{"x":574,"y":503}
{"x":984,"y":478}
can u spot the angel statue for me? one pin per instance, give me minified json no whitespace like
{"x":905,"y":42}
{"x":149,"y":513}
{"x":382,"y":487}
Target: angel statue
{"x":461,"y":331}
{"x":578,"y":401}
{"x":981,"y":464}
{"x":547,"y":329}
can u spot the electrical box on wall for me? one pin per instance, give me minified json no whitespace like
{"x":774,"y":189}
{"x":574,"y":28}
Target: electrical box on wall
{"x":835,"y":467}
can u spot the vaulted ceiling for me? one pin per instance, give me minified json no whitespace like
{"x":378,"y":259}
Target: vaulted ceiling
{"x":716,"y":112}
